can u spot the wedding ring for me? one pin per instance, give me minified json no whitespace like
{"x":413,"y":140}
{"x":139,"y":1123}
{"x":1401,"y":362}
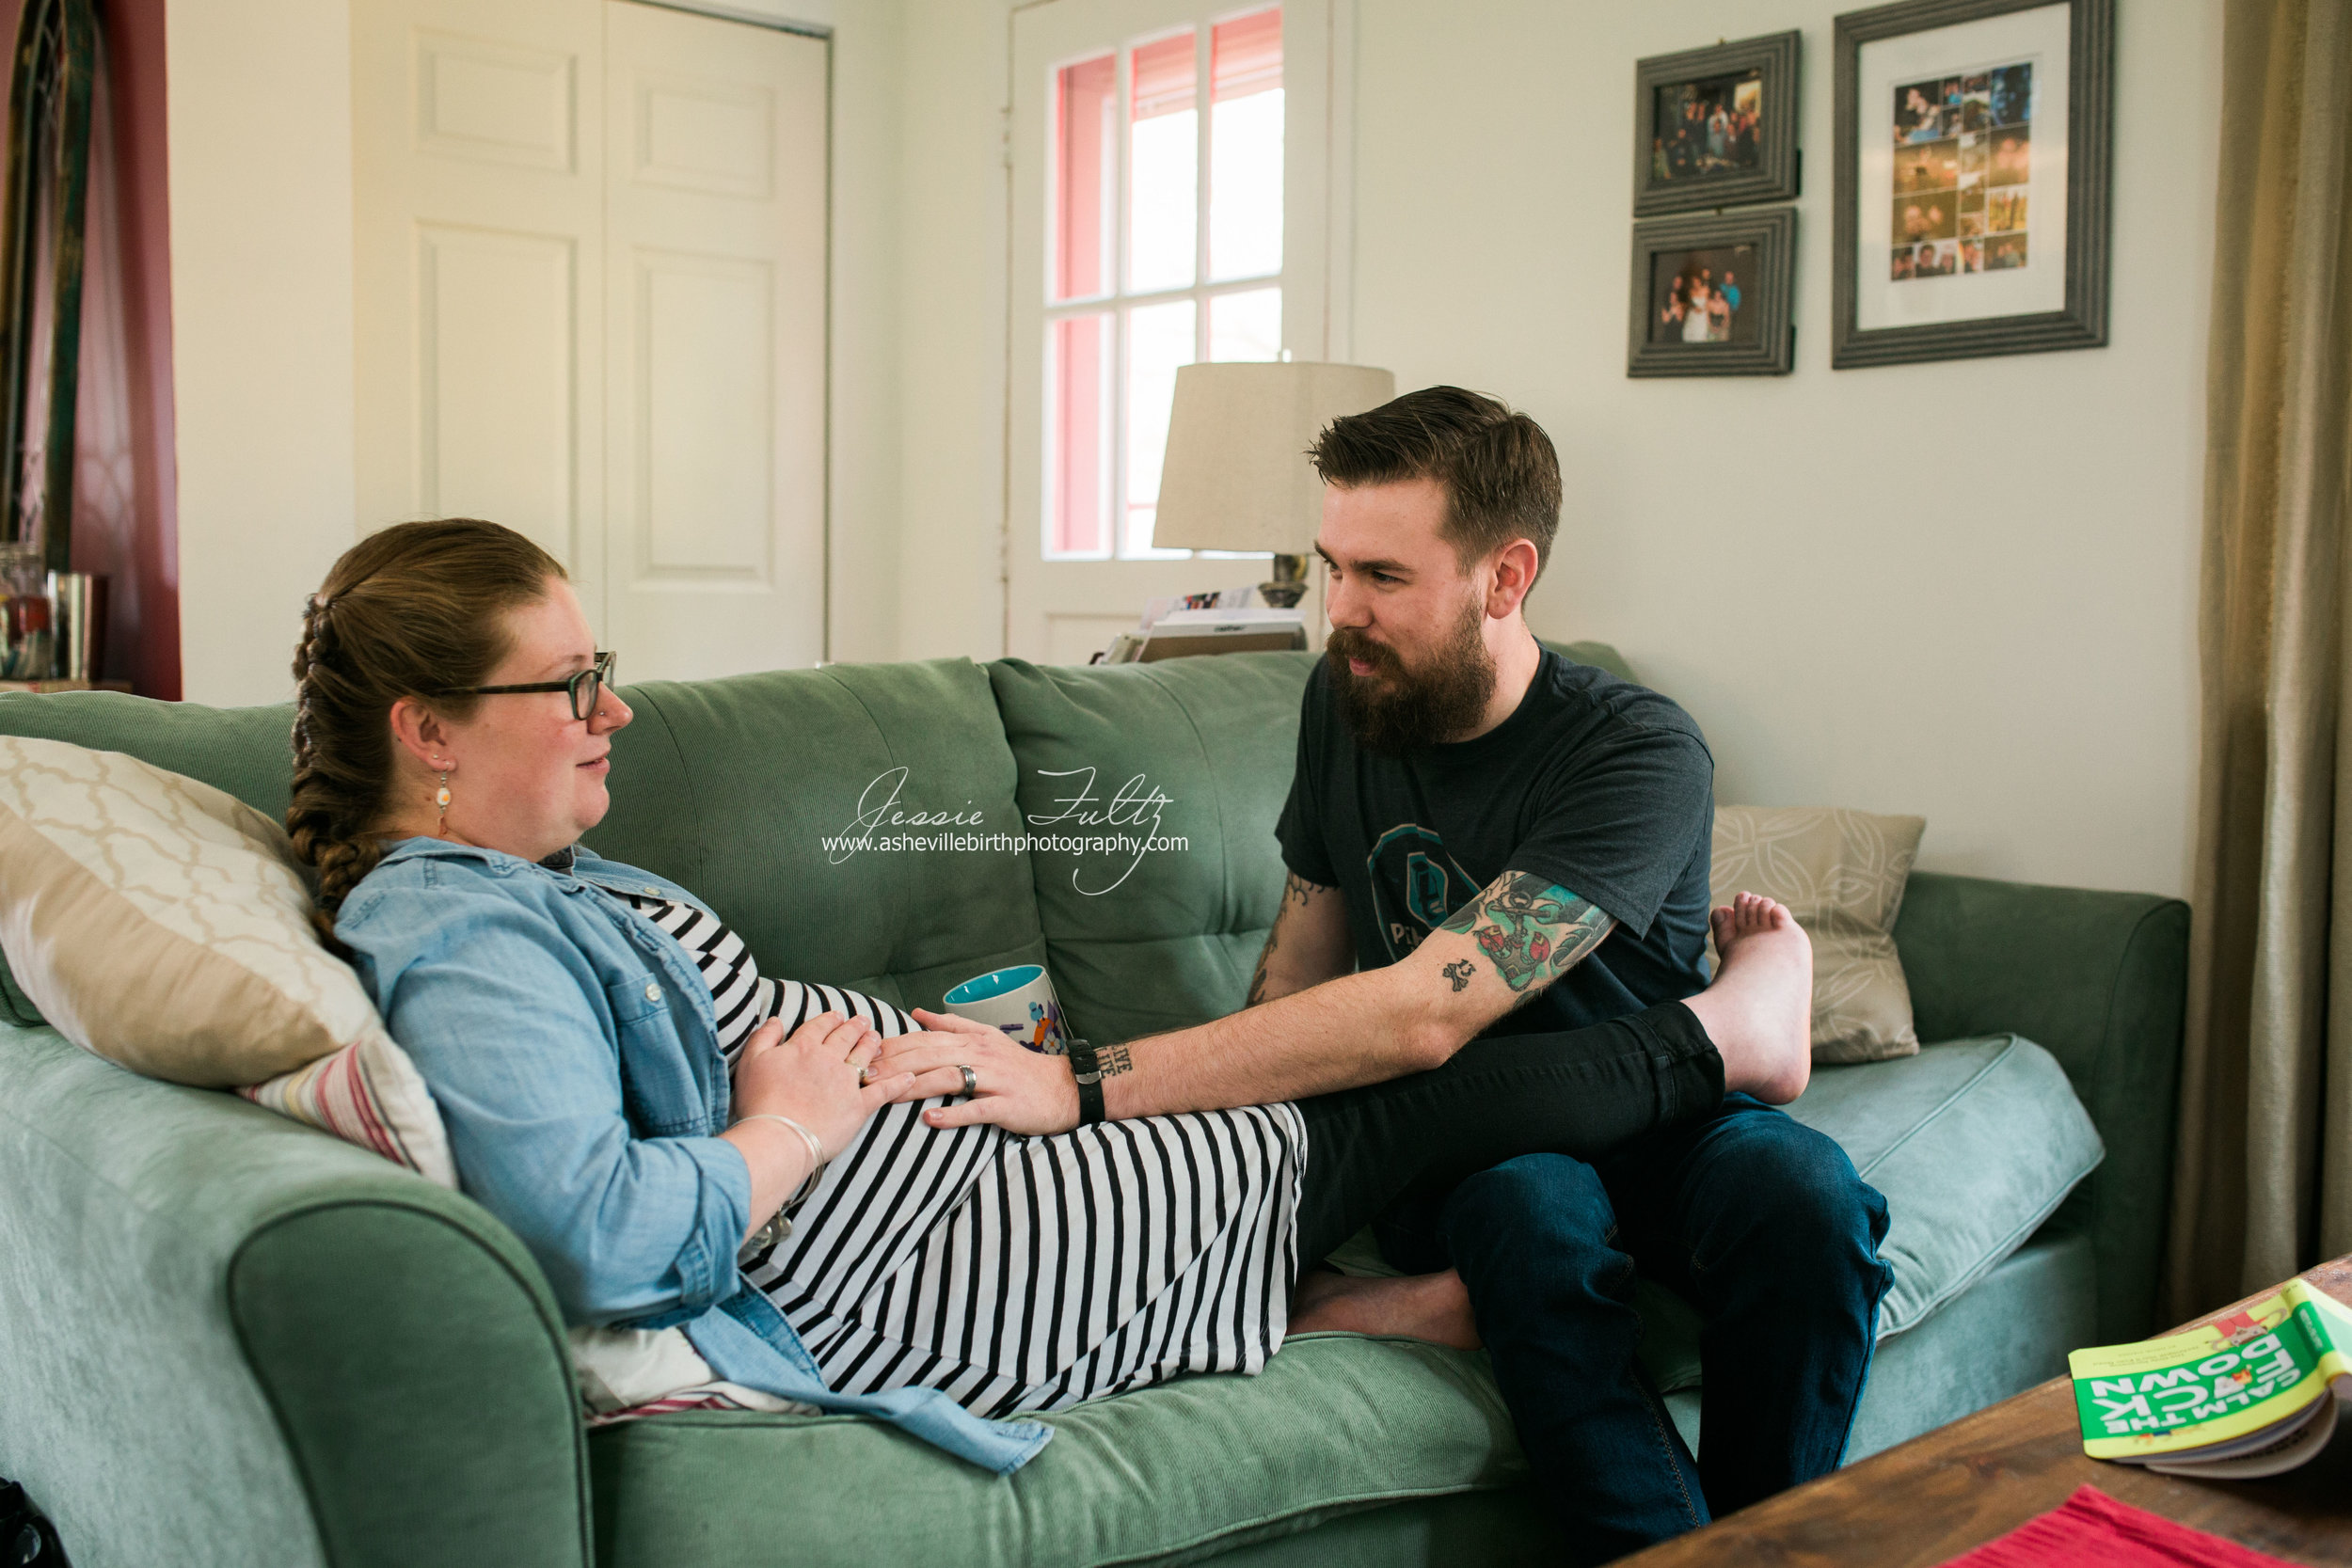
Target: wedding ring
{"x":971,"y":1080}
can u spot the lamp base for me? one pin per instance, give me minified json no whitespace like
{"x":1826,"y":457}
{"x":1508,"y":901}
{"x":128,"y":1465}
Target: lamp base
{"x":1288,"y":584}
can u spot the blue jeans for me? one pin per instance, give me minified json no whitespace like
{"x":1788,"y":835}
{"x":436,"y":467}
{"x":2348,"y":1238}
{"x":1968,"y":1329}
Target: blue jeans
{"x":1759,"y":1222}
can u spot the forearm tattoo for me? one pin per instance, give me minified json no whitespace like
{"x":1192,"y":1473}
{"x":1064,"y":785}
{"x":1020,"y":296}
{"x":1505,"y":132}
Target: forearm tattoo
{"x":1112,"y":1060}
{"x":1257,"y":981}
{"x":1529,"y":929}
{"x":1295,"y":890}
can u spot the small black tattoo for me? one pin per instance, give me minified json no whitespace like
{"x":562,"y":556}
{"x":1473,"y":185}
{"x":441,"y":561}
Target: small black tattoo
{"x":1459,"y":972}
{"x":1258,"y":980}
{"x":1112,"y":1060}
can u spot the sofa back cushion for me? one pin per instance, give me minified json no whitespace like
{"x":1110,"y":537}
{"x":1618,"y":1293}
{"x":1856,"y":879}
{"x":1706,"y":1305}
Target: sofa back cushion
{"x":1192,"y":751}
{"x":244,"y":750}
{"x":742,"y":790}
{"x":1842,"y":873}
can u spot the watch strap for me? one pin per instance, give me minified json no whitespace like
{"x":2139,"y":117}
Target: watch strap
{"x":1089,"y":1074}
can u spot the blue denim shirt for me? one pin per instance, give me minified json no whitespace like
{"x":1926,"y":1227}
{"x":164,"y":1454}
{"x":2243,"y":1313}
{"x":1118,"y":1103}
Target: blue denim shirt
{"x":571,"y":1048}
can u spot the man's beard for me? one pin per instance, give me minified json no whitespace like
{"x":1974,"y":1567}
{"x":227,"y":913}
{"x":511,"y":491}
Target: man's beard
{"x":1401,"y":708}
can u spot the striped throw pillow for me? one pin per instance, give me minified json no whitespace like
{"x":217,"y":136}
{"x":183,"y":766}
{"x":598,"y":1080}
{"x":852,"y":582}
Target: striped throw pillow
{"x":371,"y":1094}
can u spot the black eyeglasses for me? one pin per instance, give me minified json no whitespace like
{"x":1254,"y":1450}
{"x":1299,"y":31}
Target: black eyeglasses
{"x":586,"y":689}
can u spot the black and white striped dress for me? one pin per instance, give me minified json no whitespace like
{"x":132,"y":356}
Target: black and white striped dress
{"x":1019,"y":1273}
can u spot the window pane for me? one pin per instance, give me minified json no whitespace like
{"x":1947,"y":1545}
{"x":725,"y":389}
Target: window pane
{"x":1086,"y":99}
{"x":1164,"y":165}
{"x":1246,"y":325}
{"x":1246,"y":145}
{"x":1078,"y":436}
{"x":1159,"y":338}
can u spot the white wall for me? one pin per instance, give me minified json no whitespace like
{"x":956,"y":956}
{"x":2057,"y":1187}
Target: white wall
{"x":260,"y":126}
{"x":261,"y":176}
{"x":1964,"y":589}
{"x":955,"y":74}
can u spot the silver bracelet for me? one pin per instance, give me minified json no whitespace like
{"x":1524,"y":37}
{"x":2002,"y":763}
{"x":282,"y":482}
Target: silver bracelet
{"x":816,"y":1157}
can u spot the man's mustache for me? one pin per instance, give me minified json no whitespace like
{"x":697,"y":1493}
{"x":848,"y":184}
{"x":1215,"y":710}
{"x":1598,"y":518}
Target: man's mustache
{"x":1350,"y":642}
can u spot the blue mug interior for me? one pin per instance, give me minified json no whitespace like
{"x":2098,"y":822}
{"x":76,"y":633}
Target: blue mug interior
{"x":985,"y":987}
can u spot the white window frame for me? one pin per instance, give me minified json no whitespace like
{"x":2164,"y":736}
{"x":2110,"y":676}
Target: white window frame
{"x":1318,"y":52}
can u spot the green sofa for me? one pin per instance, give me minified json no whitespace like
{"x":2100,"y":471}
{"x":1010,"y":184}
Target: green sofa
{"x":226,"y":1339}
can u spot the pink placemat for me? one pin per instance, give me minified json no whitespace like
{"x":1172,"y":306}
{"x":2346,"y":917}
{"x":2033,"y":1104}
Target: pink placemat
{"x":2092,"y":1529}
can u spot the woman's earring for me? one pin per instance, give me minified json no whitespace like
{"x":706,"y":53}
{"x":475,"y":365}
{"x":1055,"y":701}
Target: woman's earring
{"x":441,"y":798}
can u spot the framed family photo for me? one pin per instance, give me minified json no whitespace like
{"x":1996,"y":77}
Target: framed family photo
{"x":1712,"y":295}
{"x":1972,"y":180}
{"x":1716,"y":127}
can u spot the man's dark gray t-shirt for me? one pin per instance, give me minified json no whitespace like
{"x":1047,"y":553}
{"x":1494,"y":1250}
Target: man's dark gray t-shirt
{"x":1594,"y":784}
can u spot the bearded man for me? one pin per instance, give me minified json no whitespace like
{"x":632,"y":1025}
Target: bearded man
{"x":1451,"y":766}
{"x":1489,"y":846}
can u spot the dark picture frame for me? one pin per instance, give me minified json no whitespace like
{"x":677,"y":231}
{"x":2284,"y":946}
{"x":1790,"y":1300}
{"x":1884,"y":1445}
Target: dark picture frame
{"x":2081,"y":320}
{"x":1666,"y":252}
{"x":1771,"y":174}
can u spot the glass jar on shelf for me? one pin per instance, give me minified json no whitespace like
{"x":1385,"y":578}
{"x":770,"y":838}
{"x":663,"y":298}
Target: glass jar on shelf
{"x":31,"y":652}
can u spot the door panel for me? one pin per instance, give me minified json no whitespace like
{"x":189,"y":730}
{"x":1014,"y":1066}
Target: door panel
{"x":495,"y":313}
{"x":497,"y":102}
{"x":705,"y":405}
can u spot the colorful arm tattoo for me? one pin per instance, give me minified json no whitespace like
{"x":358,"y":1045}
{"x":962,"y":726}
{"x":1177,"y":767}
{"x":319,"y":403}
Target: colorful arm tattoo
{"x":1533,"y":932}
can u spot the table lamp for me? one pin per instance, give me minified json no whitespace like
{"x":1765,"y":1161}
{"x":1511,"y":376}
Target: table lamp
{"x":1236,"y":475}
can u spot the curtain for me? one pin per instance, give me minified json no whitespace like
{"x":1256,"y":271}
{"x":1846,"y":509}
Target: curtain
{"x":2262,"y":1187}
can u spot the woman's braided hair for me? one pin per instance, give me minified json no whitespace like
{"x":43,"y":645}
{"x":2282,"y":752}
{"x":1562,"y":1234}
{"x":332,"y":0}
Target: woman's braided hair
{"x":414,"y":610}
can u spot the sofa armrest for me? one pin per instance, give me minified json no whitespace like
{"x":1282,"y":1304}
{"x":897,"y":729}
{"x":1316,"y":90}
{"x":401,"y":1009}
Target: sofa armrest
{"x":2099,"y":980}
{"x":233,"y":1339}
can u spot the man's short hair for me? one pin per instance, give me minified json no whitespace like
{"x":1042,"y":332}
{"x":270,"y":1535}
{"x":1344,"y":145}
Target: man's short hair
{"x":1497,"y":467}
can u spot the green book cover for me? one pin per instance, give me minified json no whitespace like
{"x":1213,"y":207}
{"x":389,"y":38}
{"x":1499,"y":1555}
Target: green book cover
{"x":2220,"y":1381}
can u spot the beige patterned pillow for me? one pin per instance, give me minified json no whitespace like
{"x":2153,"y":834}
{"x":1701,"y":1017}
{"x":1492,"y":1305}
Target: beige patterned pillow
{"x":165,"y":924}
{"x":1842,"y":874}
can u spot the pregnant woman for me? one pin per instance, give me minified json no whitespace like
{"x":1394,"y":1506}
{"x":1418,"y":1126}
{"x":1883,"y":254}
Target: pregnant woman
{"x":693,"y":1150}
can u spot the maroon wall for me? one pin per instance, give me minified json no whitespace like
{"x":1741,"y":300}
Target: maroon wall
{"x":149,"y":652}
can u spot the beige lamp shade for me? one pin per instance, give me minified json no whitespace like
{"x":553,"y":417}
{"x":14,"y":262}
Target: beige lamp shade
{"x":1236,"y":475}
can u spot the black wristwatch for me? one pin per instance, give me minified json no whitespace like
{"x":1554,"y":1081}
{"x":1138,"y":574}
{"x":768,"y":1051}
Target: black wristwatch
{"x":1089,"y":1074}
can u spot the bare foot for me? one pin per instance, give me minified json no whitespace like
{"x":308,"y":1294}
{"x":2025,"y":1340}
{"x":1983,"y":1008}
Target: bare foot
{"x":1434,"y":1306}
{"x":1759,"y":1011}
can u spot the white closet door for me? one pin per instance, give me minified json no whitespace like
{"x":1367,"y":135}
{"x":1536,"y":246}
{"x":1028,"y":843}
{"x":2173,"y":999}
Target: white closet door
{"x":478,"y":152}
{"x":715,"y":343}
{"x":590,"y":304}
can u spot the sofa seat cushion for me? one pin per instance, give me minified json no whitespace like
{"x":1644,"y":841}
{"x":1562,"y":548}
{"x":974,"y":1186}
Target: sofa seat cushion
{"x":1336,"y":1422}
{"x":1973,"y":1143}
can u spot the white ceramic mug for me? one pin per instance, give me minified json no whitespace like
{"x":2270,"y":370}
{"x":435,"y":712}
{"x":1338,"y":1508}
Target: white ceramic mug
{"x":1020,"y":1001}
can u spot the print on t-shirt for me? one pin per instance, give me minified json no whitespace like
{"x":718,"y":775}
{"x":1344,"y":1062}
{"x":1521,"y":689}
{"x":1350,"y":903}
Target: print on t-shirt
{"x":1415,"y":885}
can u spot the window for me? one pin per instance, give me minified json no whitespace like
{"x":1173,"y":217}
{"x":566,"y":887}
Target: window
{"x":1165,"y":247}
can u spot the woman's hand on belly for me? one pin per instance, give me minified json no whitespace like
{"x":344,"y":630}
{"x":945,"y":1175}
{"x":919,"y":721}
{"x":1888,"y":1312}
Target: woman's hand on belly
{"x":814,"y":1078}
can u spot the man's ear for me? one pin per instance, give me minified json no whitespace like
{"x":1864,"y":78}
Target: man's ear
{"x":1515,"y":567}
{"x":421,"y":732}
